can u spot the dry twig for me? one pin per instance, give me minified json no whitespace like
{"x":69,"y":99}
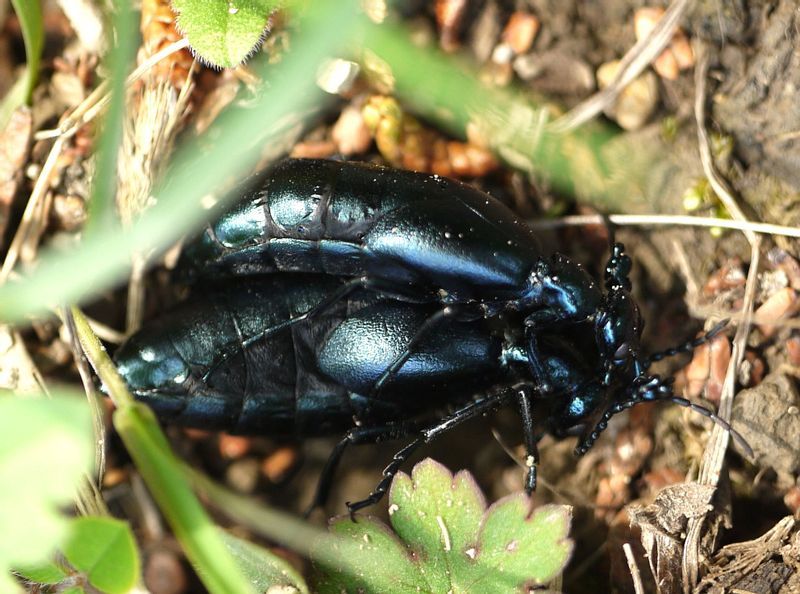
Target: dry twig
{"x":632,"y":64}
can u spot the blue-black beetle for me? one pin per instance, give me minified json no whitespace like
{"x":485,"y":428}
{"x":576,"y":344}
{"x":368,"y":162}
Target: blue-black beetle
{"x":418,"y":238}
{"x":412,"y":273}
{"x":230,"y":358}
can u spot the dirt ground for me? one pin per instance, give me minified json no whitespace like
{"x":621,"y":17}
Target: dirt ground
{"x":654,"y":480}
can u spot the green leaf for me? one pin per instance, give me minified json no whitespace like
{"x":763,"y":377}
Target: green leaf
{"x":46,"y":447}
{"x":521,"y":548}
{"x":29,"y":13}
{"x":105,"y":551}
{"x":224,"y":33}
{"x":45,"y":573}
{"x":376,"y":561}
{"x":447,"y":541}
{"x":262,"y":568}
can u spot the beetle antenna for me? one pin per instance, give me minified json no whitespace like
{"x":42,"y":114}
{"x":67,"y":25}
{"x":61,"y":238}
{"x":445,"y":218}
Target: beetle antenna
{"x":706,"y":412}
{"x":688,"y":346}
{"x":656,"y":389}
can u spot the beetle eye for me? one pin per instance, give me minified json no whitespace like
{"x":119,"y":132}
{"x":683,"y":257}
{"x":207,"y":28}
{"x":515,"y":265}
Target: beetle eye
{"x":622,"y":351}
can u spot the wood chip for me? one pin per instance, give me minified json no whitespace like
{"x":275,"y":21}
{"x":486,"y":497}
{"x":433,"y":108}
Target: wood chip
{"x":15,"y":143}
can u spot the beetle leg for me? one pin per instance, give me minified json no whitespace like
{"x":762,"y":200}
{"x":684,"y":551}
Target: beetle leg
{"x":531,"y":448}
{"x":535,"y":359}
{"x":473,"y":409}
{"x":356,"y":435}
{"x":400,"y":360}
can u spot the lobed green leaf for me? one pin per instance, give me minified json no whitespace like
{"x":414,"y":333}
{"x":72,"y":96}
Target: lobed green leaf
{"x":448,"y":541}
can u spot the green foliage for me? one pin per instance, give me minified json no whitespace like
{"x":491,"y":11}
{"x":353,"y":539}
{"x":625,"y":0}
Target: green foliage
{"x":44,"y":573}
{"x":104,"y":550}
{"x":102,"y":208}
{"x":262,"y":568}
{"x":161,"y":471}
{"x":29,"y":13}
{"x":100,"y":551}
{"x":224,"y":33}
{"x":448,"y":541}
{"x":46,"y":447}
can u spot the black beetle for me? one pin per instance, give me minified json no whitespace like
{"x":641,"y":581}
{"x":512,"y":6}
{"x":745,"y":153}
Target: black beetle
{"x":417,"y":238}
{"x":229,"y":358}
{"x":412,"y":272}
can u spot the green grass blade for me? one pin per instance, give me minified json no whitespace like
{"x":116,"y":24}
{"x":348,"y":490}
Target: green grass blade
{"x":29,"y":13}
{"x":103,"y":258}
{"x":139,"y":430}
{"x":595,"y":162}
{"x":101,"y":205}
{"x":161,"y":471}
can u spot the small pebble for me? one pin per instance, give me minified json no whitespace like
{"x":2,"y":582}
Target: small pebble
{"x":242,"y":475}
{"x":777,"y":307}
{"x":69,"y":212}
{"x":449,"y":16}
{"x":677,"y":56}
{"x":636,"y":103}
{"x":277,"y":466}
{"x":233,"y":447}
{"x":520,"y":31}
{"x":164,"y":573}
{"x":350,"y":133}
{"x":337,"y":76}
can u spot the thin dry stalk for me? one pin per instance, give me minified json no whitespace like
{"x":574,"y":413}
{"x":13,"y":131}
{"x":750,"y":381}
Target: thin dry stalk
{"x":714,"y":456}
{"x":22,"y":237}
{"x":81,"y":115}
{"x":95,"y":404}
{"x":711,"y":464}
{"x":149,"y":132}
{"x":99,"y":98}
{"x":638,"y":586}
{"x":718,"y":184}
{"x":632,"y":64}
{"x":655,"y":220}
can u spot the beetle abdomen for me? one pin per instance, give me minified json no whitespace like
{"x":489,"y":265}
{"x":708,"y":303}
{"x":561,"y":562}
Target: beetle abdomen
{"x":356,"y":219}
{"x":454,"y":358}
{"x":228,"y":359}
{"x":225,"y":361}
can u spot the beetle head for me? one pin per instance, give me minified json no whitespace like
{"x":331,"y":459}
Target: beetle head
{"x":563,"y":289}
{"x":618,"y":330}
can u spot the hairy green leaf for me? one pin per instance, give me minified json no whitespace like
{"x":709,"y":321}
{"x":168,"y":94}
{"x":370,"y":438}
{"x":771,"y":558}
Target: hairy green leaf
{"x":224,"y":33}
